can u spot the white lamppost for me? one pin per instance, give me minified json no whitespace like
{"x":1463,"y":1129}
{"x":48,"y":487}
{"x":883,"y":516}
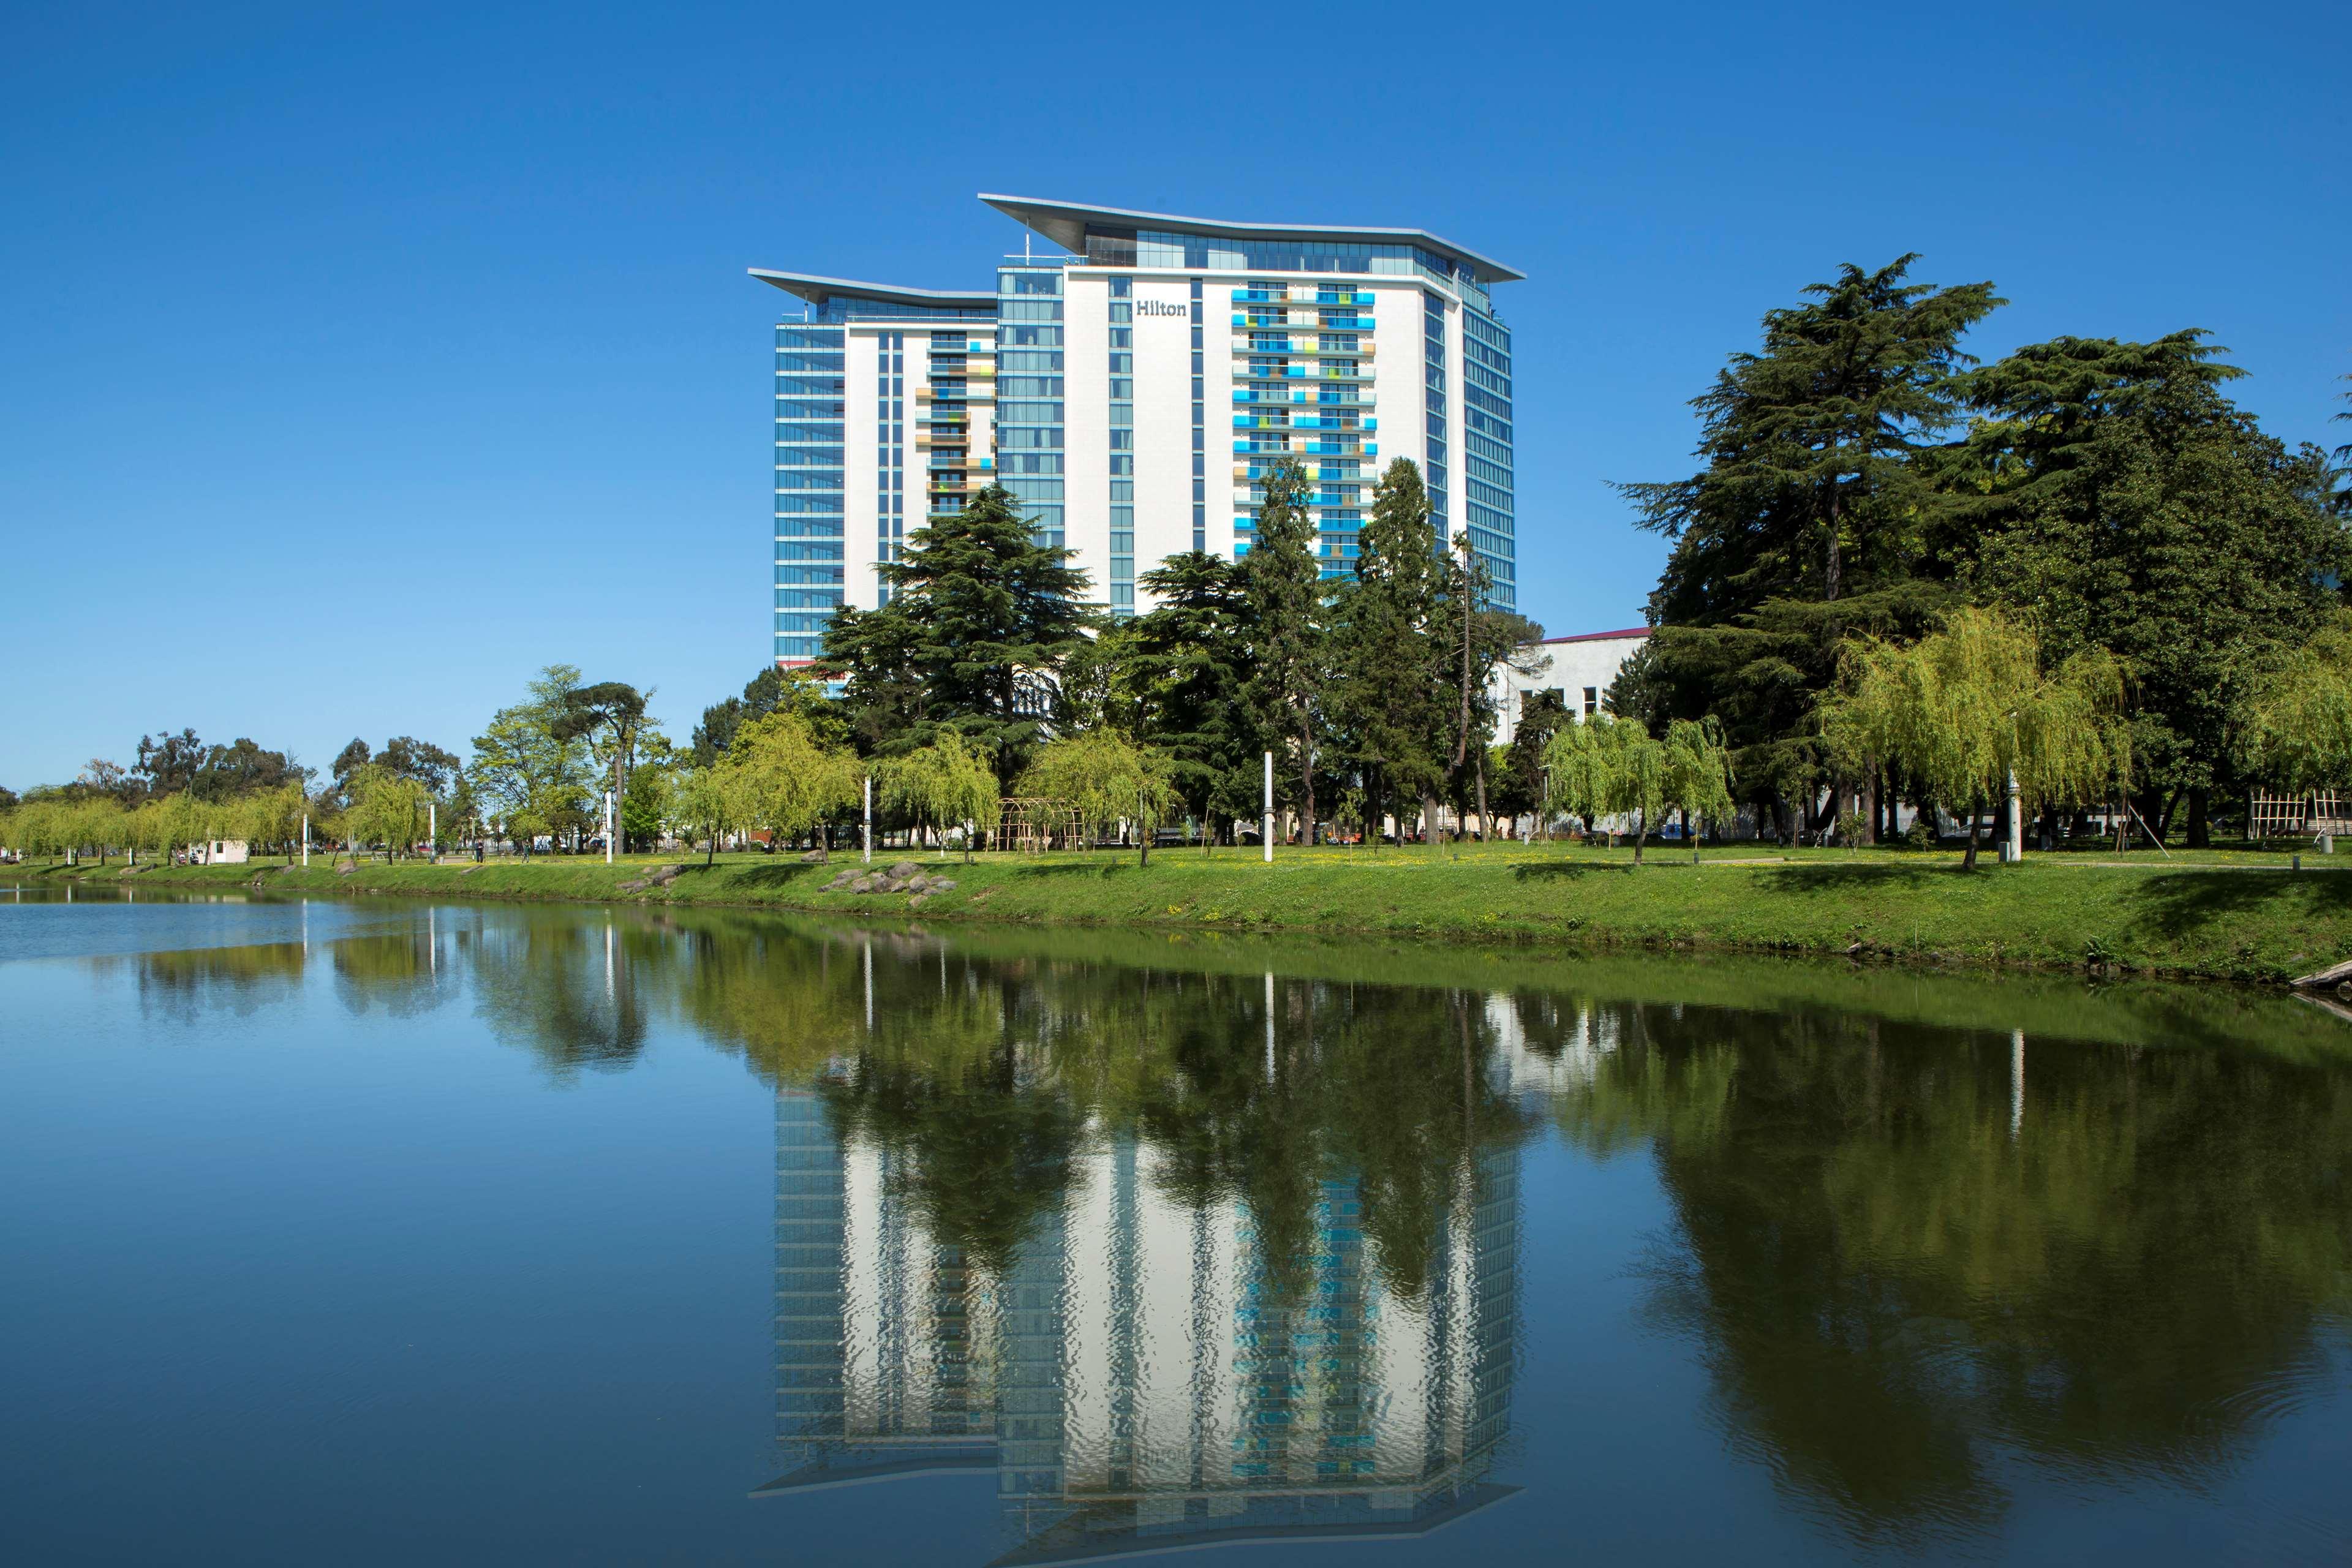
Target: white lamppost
{"x":2016,"y":845}
{"x":1265,"y":826}
{"x":865,"y":828}
{"x":608,"y":828}
{"x":305,"y":838}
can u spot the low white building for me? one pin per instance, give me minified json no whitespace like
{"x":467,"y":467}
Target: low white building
{"x":1578,"y":668}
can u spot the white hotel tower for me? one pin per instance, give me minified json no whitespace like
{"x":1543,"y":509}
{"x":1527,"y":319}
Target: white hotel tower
{"x":1131,"y":391}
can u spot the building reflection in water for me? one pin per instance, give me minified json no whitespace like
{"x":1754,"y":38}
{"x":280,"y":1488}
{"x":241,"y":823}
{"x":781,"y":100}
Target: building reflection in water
{"x":1145,"y":1370}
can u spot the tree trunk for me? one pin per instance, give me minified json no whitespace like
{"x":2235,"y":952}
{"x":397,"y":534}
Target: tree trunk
{"x":1486,"y":823}
{"x":1976,"y":826}
{"x":1640,"y":831}
{"x":2201,"y":822}
{"x":1307,"y":772}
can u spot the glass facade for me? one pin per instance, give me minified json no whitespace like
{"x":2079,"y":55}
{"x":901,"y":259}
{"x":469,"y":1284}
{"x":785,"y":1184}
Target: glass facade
{"x":1122,"y":446}
{"x":1030,"y":390}
{"x":890,"y":448}
{"x":1489,"y":506}
{"x":810,"y":520}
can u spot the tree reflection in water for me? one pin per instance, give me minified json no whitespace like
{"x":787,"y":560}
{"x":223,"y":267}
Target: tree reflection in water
{"x":1185,"y":1249}
{"x":1908,"y":1254}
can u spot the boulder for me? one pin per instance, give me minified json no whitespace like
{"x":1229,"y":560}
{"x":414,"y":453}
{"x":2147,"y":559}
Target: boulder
{"x":906,"y":868}
{"x":814,"y":858}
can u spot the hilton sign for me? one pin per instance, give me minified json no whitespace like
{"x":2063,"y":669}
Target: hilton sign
{"x":1159,"y":308}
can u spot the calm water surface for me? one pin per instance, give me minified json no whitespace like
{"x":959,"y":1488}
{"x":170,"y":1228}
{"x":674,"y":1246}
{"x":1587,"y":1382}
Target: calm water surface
{"x":365,"y":1234}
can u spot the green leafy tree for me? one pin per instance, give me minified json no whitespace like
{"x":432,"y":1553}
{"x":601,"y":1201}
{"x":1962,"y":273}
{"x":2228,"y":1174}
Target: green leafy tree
{"x":528,"y":772}
{"x":387,"y":808}
{"x":944,"y":785}
{"x":1607,"y":766}
{"x":650,"y":803}
{"x":1282,"y":604}
{"x":1388,"y":687}
{"x":980,"y":617}
{"x":1520,"y":782}
{"x":1964,"y":708}
{"x":610,"y":717}
{"x":1105,"y":778}
{"x":762,"y":695}
{"x":706,"y":796}
{"x":1809,"y":520}
{"x":787,"y":780}
{"x":1188,"y":667}
{"x":2113,"y":493}
{"x":2299,"y":723}
{"x":1696,"y":772}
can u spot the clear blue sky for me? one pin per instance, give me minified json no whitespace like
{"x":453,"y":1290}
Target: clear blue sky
{"x":357,"y":362}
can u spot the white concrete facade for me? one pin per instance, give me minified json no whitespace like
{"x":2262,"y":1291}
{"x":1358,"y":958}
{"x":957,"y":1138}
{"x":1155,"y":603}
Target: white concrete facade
{"x":1579,"y":668}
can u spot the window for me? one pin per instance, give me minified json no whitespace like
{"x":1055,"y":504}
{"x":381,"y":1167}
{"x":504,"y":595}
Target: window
{"x":1593,"y":700}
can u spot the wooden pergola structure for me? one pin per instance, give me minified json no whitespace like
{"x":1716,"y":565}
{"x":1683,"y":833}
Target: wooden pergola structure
{"x":1034,"y":824}
{"x":2298,"y":815}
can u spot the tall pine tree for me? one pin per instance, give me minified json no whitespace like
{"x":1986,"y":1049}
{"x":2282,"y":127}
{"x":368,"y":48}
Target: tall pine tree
{"x":1389,"y":687}
{"x":1808,"y":521}
{"x":1184,"y":665}
{"x":1281,"y":601}
{"x":2111,"y":493}
{"x":979,"y":615}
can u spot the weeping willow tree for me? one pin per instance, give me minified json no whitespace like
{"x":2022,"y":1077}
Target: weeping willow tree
{"x":785,"y":779}
{"x":944,"y":785}
{"x":1697,"y":772}
{"x":2299,"y":726}
{"x":1965,"y":708}
{"x":1607,"y":766}
{"x":1105,"y":778}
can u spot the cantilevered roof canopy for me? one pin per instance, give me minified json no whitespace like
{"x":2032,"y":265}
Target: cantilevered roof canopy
{"x":817,"y":290}
{"x":1065,"y":223}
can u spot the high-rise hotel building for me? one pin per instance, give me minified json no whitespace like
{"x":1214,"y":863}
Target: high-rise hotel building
{"x":1132,"y":392}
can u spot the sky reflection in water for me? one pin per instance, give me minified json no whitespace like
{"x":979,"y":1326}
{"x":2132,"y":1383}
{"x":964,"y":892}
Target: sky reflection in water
{"x":401,"y":1231}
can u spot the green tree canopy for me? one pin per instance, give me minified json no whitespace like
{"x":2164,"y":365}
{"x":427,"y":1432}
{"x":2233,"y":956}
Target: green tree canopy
{"x":1282,"y":605}
{"x":2299,"y":724}
{"x":1809,"y":520}
{"x":1963,"y":708}
{"x":979,"y":615}
{"x":1388,"y":688}
{"x":944,"y":785}
{"x":2112,"y":493}
{"x":1187,"y":667}
{"x":786,"y":779}
{"x":1105,"y":778}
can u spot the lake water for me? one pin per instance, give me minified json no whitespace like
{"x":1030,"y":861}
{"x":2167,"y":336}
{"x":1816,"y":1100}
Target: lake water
{"x":393,"y":1234}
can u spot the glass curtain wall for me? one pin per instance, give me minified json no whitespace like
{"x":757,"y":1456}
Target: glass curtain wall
{"x":1029,"y":395}
{"x":1487,"y":487}
{"x":809,"y":466}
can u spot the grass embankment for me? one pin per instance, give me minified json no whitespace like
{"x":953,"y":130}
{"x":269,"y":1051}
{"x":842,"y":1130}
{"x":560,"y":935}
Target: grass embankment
{"x":2237,"y":915}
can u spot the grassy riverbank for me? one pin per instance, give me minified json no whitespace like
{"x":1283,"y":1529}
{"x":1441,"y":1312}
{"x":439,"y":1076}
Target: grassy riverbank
{"x":2223,"y":915}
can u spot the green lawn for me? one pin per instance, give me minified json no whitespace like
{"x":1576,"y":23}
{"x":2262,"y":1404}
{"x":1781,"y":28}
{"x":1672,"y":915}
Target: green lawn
{"x":2230,"y":913}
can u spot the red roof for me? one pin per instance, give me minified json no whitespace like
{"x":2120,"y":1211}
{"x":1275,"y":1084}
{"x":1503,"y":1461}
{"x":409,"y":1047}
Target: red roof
{"x":1603,"y":637}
